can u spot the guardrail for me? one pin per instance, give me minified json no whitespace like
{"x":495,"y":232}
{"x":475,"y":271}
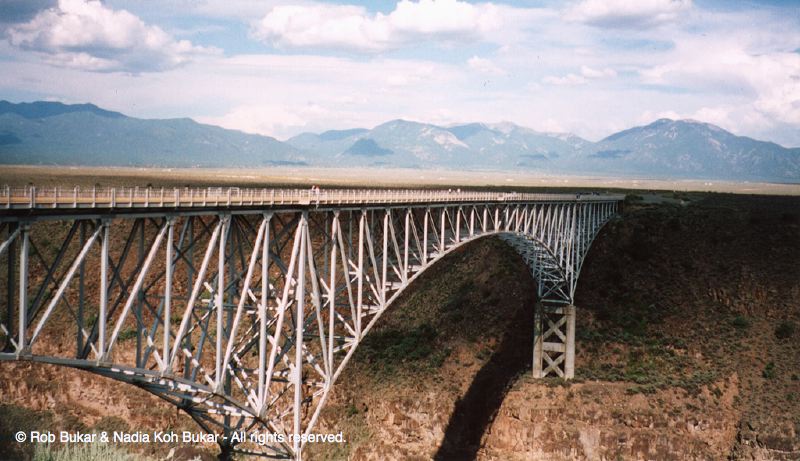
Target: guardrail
{"x":31,"y":197}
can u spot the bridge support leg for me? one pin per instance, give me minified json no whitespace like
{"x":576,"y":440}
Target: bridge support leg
{"x":538,"y":341}
{"x":554,"y":340}
{"x":569,"y":361}
{"x":225,"y":452}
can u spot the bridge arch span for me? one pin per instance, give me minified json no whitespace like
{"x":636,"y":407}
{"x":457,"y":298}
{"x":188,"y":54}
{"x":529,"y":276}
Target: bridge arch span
{"x":242,"y":308}
{"x":524,"y":245}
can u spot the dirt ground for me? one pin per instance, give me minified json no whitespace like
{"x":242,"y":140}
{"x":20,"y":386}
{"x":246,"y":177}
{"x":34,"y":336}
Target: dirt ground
{"x":687,"y":348}
{"x":354,"y":178}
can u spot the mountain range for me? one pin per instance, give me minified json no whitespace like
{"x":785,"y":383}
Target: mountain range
{"x":52,"y":133}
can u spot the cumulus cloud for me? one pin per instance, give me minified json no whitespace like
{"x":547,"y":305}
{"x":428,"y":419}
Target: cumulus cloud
{"x":266,"y":120}
{"x":87,"y":35}
{"x":587,"y":73}
{"x":353,"y":28}
{"x":627,"y":13}
{"x":569,"y":79}
{"x":484,"y":66}
{"x":769,"y":78}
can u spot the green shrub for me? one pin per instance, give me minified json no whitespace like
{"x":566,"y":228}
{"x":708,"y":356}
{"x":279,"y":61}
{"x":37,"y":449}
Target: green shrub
{"x":784,"y":330}
{"x":15,"y":418}
{"x":741,"y":322}
{"x":126,"y":334}
{"x":633,"y":198}
{"x":83,"y":452}
{"x":111,"y":424}
{"x":769,"y":371}
{"x":390,"y":348}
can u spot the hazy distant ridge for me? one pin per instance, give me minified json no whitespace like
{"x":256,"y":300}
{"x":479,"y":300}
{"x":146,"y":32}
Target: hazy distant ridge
{"x":664,"y":148}
{"x":58,"y":134}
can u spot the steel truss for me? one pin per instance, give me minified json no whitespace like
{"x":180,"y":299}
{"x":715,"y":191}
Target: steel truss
{"x":244,"y":317}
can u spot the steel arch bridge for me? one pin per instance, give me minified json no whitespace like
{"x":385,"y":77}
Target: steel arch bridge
{"x":243,"y":306}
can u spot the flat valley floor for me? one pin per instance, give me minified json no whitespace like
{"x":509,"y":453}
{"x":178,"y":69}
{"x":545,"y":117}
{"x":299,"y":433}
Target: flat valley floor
{"x":68,"y":177}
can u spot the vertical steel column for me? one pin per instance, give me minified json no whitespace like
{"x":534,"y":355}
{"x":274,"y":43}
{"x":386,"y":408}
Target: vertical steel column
{"x":262,"y":315}
{"x":360,"y":295}
{"x":103,"y":292}
{"x":569,"y":360}
{"x":472,"y":221}
{"x":23,"y":288}
{"x":11,"y":269}
{"x":335,"y":229}
{"x":81,"y":293}
{"x":458,"y":225}
{"x":168,"y":292}
{"x":139,"y":298}
{"x":425,"y":237}
{"x":298,"y":343}
{"x":385,"y":263}
{"x":442,"y":240}
{"x":350,"y":236}
{"x":225,"y":220}
{"x":406,"y":244}
{"x":190,"y":251}
{"x":538,"y":340}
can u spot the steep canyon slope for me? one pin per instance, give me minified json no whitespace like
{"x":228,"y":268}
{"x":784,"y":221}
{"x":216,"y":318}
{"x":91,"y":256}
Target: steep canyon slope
{"x":688,"y":320}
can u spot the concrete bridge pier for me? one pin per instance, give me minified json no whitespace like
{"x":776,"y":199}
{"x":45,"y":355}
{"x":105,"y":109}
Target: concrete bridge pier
{"x":554,"y":340}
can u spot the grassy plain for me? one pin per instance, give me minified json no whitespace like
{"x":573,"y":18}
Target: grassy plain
{"x":355,"y":178}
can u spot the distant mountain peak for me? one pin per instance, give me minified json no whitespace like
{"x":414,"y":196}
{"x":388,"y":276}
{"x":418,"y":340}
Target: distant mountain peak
{"x":662,"y":121}
{"x":689,"y":122}
{"x":87,"y":135}
{"x":44,"y":109}
{"x":335,"y":135}
{"x":399,"y":122}
{"x":84,"y":134}
{"x":504,"y":127}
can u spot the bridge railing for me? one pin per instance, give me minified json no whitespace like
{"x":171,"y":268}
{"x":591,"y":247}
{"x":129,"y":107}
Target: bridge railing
{"x":32,"y":197}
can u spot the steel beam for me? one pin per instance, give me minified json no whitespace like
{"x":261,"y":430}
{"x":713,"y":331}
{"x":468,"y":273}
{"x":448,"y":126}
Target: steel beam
{"x":288,"y":286}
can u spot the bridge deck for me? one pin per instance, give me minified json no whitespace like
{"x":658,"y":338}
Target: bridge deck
{"x":247,"y":304}
{"x":48,"y":198}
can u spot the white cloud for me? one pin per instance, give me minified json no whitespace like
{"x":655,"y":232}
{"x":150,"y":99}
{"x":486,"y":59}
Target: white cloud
{"x":85,"y":34}
{"x":627,"y":13}
{"x":268,"y":120}
{"x":241,"y":9}
{"x":733,"y":68}
{"x":587,"y":73}
{"x":648,"y":116}
{"x":485,"y":66}
{"x":741,"y":120}
{"x":353,"y":28}
{"x":569,"y":79}
{"x":551,"y":125}
{"x":771,"y":80}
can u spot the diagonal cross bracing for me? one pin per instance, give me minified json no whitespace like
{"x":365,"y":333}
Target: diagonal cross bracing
{"x":245,"y":305}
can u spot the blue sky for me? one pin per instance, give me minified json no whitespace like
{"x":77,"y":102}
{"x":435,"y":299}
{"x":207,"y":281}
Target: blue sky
{"x":279,"y":67}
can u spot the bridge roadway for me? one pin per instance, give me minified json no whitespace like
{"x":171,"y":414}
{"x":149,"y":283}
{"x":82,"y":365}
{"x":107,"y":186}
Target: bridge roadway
{"x":124,"y":198}
{"x":242,"y":306}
